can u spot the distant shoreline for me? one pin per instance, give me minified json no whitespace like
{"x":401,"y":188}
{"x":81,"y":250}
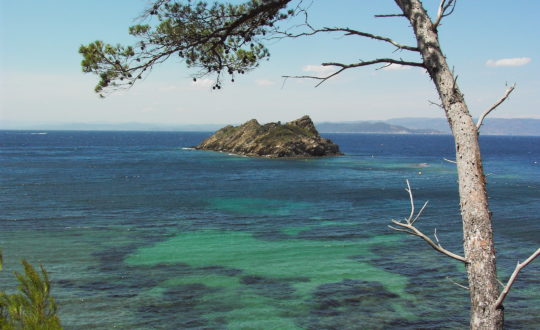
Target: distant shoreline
{"x":423,"y":126}
{"x":34,"y":131}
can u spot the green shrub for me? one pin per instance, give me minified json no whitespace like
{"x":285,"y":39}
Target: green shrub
{"x":32,"y":307}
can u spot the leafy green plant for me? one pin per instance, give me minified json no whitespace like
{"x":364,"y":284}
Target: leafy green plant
{"x":32,"y":307}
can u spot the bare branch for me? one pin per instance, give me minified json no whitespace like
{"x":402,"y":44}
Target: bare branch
{"x":372,"y":36}
{"x":322,"y":79}
{"x":409,"y":228}
{"x":512,"y":279}
{"x":389,"y":15}
{"x":414,"y":231}
{"x":344,"y":67}
{"x":456,"y":283}
{"x":411,"y":198}
{"x":446,"y":8}
{"x":403,"y":230}
{"x":384,"y":66}
{"x":349,"y":32}
{"x":436,"y":104}
{"x":379,"y":60}
{"x":418,"y":216}
{"x":493,"y":107}
{"x":455,"y":81}
{"x":439,"y":14}
{"x":450,"y":161}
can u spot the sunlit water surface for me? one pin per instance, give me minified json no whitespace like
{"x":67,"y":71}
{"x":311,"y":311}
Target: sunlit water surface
{"x":139,"y":231}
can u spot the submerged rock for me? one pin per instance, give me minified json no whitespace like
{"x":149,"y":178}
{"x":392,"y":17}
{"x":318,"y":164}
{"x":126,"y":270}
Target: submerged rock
{"x":298,"y":138}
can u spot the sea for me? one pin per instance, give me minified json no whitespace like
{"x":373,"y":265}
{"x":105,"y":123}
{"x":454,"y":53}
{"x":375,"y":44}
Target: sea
{"x":139,"y":231}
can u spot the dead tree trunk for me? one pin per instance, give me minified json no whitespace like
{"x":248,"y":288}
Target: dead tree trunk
{"x":477,"y":231}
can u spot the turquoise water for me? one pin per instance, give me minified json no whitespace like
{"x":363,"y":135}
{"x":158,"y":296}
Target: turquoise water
{"x":139,"y":232}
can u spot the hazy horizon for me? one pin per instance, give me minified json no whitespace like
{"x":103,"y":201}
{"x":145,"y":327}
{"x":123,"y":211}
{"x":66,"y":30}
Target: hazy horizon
{"x":41,"y":78}
{"x":497,"y":126}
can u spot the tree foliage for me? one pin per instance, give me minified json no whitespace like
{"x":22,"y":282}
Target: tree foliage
{"x":223,"y":39}
{"x":32,"y":307}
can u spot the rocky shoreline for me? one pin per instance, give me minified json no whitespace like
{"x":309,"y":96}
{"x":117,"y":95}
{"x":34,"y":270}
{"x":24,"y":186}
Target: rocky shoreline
{"x":296,"y":139}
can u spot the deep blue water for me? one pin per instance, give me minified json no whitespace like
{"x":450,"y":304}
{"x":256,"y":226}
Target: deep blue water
{"x":138,"y":231}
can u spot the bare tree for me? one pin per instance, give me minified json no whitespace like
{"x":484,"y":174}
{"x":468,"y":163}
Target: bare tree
{"x":229,"y":39}
{"x":478,"y":243}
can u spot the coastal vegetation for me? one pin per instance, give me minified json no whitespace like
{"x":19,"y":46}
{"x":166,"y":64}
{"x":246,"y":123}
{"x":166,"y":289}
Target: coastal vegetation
{"x":298,"y":138}
{"x":33,"y":306}
{"x":226,"y":40}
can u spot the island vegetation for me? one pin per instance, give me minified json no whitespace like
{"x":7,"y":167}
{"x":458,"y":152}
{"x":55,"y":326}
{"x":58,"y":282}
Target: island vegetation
{"x":298,"y":138}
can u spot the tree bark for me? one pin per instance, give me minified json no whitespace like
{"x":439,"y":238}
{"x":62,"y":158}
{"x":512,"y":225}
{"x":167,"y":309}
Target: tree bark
{"x":477,"y":231}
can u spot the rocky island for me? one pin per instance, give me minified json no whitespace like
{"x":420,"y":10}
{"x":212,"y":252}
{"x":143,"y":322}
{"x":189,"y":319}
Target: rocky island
{"x":298,"y":138}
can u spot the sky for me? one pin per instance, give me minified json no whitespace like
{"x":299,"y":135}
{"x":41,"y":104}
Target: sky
{"x":489,"y":43}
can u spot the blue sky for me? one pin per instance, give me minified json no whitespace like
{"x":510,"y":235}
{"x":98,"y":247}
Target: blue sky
{"x":488,"y":42}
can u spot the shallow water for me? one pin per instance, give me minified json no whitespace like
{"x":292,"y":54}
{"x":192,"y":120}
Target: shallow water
{"x":138,"y":231}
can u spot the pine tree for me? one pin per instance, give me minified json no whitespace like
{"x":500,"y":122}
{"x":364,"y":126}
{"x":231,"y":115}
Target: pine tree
{"x":32,"y":307}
